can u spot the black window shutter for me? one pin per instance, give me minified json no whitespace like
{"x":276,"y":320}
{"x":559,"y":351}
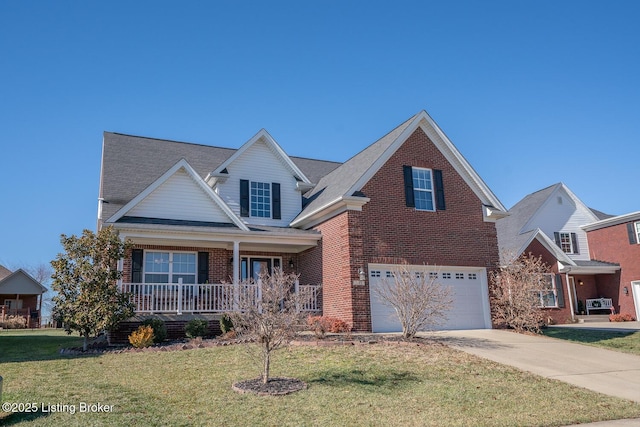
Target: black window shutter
{"x":244,"y":197}
{"x":408,"y":187}
{"x":437,"y":178}
{"x":203,"y":267}
{"x":574,"y":242}
{"x":631,"y":230}
{"x":556,"y":235}
{"x":560,"y":290}
{"x":275,"y":201}
{"x":136,"y":265}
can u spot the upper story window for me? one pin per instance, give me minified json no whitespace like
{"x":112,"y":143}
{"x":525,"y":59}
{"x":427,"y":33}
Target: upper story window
{"x":637,"y":227}
{"x":423,"y":188}
{"x":260,"y":199}
{"x":568,"y":242}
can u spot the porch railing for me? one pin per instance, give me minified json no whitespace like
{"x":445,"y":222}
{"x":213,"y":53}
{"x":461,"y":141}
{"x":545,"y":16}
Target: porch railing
{"x":182,"y":298}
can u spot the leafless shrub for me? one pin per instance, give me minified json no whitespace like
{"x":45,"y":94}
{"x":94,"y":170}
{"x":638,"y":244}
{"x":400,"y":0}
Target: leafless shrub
{"x":419,"y":300}
{"x":269,"y":313}
{"x":516,"y":293}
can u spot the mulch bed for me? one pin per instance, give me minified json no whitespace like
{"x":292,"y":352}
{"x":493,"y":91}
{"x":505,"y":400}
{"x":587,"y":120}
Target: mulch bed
{"x":278,"y":386}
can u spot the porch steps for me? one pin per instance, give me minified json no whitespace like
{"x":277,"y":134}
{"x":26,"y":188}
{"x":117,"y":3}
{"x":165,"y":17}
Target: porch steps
{"x":592,"y":318}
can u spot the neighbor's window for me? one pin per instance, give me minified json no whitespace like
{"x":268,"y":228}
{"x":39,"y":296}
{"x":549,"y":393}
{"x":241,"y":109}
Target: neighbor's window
{"x":423,"y":189}
{"x":637,"y":225}
{"x":548,"y":294}
{"x":261,"y":199}
{"x":565,"y":243}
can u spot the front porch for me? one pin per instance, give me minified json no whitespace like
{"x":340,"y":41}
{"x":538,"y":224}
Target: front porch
{"x":179,"y":298}
{"x":30,"y":317}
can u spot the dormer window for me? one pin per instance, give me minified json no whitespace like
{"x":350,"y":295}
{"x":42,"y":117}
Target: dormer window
{"x":260,"y":199}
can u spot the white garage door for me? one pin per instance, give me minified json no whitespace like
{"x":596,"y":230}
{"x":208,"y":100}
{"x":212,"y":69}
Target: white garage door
{"x":470,"y":308}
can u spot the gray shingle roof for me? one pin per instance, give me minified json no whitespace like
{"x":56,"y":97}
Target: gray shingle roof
{"x":342,"y":178}
{"x":132,"y":163}
{"x":4,"y":272}
{"x":511,"y":237}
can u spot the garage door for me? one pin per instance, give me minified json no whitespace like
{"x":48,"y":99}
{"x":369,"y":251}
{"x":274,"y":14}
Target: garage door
{"x":470,"y":308}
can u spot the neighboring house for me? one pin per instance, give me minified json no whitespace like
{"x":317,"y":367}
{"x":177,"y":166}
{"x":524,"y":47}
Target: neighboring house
{"x":548,"y":223}
{"x":20,"y":295}
{"x":203,"y":215}
{"x":617,"y":239}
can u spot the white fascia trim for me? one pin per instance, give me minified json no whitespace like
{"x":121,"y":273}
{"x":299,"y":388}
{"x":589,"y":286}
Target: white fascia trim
{"x":491,"y":214}
{"x":272,"y":144}
{"x":333,"y":208}
{"x":220,"y":235}
{"x":609,"y":222}
{"x":446,"y":147}
{"x":182,"y":164}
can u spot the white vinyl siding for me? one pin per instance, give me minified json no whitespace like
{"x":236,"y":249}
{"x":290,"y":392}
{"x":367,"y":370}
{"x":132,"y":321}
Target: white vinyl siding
{"x":179,"y":197}
{"x":561,"y":214}
{"x":259,"y":164}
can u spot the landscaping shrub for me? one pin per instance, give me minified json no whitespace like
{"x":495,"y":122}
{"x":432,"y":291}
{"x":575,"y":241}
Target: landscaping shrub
{"x":13,"y":322}
{"x":320,"y":325}
{"x":141,"y":337}
{"x":621,"y":318}
{"x":159,"y":328}
{"x":196,"y":328}
{"x":226,"y":324}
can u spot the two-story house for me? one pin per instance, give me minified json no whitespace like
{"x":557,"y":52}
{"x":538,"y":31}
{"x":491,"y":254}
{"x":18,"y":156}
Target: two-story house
{"x":548,"y":223}
{"x":200,"y":216}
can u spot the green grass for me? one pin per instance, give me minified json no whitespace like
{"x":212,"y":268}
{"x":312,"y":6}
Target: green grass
{"x":628,"y":342}
{"x":373,"y":385}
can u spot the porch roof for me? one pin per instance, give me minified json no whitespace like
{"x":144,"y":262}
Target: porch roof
{"x":157,"y":231}
{"x":591,"y":267}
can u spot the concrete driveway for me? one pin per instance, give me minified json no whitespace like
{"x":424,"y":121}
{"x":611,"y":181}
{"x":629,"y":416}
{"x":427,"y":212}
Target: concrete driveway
{"x":604,"y":371}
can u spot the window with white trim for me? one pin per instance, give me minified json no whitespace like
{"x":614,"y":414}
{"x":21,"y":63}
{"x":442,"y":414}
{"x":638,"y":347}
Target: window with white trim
{"x":549,"y":294}
{"x":637,"y":227}
{"x":169,"y":267}
{"x":260,"y":193}
{"x":565,"y":243}
{"x":446,"y":275}
{"x":459,"y":276}
{"x":473,"y":276}
{"x":423,"y":189}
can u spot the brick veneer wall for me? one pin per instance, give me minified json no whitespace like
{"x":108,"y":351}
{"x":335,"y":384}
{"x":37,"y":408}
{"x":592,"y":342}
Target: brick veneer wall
{"x":386,"y":231}
{"x":611,"y":244}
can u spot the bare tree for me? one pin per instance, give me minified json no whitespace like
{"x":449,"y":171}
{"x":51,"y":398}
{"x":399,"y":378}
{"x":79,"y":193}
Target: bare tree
{"x":269,"y":313}
{"x":517,"y":292}
{"x":419,"y":300}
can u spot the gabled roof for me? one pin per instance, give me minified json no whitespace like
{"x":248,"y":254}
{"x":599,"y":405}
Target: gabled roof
{"x":268,"y":140}
{"x":342,"y":186}
{"x":180,"y":165}
{"x":21,"y":283}
{"x":132,"y":163}
{"x":518,"y":230}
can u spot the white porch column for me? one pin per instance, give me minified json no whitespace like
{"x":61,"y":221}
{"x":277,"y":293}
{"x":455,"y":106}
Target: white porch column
{"x":236,"y":273}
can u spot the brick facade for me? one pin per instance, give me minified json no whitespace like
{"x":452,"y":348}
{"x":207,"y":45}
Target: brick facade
{"x":386,"y":231}
{"x":611,"y":244}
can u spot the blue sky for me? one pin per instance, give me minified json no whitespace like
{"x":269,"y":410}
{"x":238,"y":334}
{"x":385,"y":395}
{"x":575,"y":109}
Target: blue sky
{"x":531,"y":92}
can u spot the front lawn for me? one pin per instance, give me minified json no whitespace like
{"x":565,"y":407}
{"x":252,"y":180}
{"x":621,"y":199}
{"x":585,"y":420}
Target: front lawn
{"x":628,"y":342}
{"x":374,"y":384}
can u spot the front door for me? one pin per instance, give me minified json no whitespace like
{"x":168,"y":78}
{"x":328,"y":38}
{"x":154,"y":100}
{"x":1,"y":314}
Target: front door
{"x":260,"y":266}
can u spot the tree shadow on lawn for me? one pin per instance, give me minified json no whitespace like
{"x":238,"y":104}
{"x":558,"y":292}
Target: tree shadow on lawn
{"x":388,"y":379}
{"x":467,"y":342}
{"x":31,"y":348}
{"x":10,"y":419}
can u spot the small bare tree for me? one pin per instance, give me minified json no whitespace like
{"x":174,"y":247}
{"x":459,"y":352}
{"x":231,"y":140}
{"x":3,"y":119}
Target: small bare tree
{"x":517,"y":289}
{"x":419,"y":300}
{"x":271,"y":316}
